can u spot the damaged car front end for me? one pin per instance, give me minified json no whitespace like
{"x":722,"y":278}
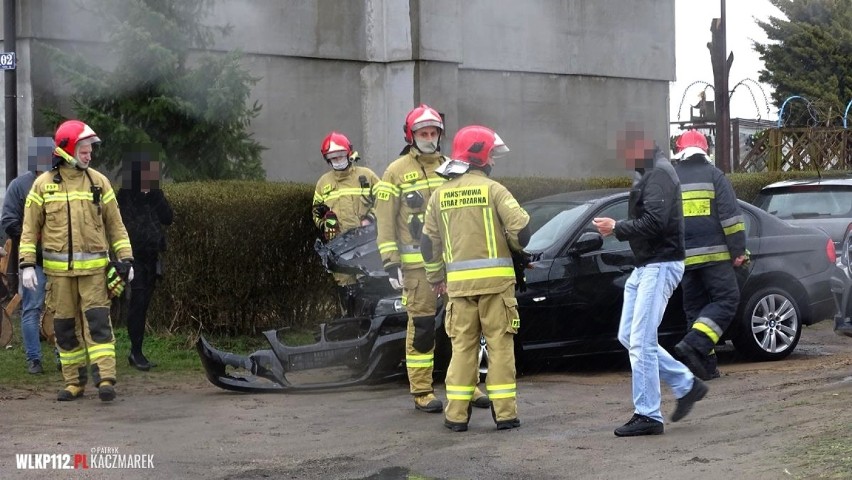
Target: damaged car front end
{"x":363,"y":349}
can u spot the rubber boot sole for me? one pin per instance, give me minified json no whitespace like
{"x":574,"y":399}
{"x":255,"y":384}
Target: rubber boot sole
{"x":106,"y":393}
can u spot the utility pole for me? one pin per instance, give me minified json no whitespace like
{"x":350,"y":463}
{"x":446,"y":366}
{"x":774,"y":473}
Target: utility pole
{"x":721,"y":69}
{"x":10,"y":34}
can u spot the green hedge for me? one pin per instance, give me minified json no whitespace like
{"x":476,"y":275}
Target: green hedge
{"x":240,"y":260}
{"x":241,"y":257}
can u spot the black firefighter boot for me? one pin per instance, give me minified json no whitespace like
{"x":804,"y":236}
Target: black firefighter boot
{"x":692,"y":351}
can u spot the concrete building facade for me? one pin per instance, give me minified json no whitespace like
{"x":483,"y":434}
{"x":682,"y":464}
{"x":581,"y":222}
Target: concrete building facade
{"x":556,"y":78}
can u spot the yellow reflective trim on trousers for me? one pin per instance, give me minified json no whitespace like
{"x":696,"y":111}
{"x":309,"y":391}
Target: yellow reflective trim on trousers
{"x":706,"y":331}
{"x":712,"y":257}
{"x":72,"y":358}
{"x":448,"y":245}
{"x":460,"y":392}
{"x":480,"y":273}
{"x":508,"y":390}
{"x":737,"y":227}
{"x":490,"y":241}
{"x":419,"y":361}
{"x":101,"y":350}
{"x":411,"y":258}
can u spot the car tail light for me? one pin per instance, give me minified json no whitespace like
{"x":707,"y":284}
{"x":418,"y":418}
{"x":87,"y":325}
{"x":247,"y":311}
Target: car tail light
{"x":830,"y":252}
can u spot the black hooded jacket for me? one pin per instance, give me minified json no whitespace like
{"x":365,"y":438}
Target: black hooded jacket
{"x":144,"y":215}
{"x":655,"y":217}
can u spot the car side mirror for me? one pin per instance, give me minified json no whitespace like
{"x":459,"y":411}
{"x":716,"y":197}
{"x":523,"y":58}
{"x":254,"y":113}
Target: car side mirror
{"x":588,"y":241}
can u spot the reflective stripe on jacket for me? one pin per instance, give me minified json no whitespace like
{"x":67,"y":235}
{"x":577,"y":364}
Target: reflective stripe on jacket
{"x":76,"y":233}
{"x":473,"y":223}
{"x":401,"y":199}
{"x":714,"y":230}
{"x":343,"y":193}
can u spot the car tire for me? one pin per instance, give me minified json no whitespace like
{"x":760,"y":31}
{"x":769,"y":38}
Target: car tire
{"x":770,"y":325}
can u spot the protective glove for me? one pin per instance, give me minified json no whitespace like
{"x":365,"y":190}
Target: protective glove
{"x":394,"y":277}
{"x":521,"y":261}
{"x":330,"y":226}
{"x":130,"y":273}
{"x":28,"y":278}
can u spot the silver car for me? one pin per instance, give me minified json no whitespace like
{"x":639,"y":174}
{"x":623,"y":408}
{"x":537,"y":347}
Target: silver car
{"x":824,"y":203}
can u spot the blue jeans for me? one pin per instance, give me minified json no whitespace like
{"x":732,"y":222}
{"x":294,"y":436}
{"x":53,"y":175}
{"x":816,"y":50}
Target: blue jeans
{"x":646,"y":294}
{"x":32,"y":303}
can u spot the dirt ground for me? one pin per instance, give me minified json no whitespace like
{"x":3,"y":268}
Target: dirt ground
{"x":787,"y":419}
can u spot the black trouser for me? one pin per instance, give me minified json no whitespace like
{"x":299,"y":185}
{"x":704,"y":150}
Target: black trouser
{"x":710,"y":298}
{"x":141,"y":290}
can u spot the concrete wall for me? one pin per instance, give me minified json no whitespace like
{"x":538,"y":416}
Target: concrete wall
{"x":556,"y":78}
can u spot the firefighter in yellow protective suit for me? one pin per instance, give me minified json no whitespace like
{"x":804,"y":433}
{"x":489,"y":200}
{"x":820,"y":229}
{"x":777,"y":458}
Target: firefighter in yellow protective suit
{"x":401,"y":198}
{"x":473,"y":227}
{"x":343,"y":200}
{"x":72,"y":208}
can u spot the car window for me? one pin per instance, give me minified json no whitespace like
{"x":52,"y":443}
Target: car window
{"x":750,"y":223}
{"x":617,"y":211}
{"x":806,"y":203}
{"x":551,"y":222}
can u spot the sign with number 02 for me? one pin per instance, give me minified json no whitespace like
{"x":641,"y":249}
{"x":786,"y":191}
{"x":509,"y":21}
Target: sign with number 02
{"x":7,"y":61}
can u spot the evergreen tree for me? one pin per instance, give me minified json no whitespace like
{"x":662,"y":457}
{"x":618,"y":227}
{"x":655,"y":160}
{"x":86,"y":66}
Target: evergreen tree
{"x":810,"y":54}
{"x":162,"y":90}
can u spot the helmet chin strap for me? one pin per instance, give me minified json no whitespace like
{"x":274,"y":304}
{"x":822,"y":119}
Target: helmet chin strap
{"x":59,"y":152}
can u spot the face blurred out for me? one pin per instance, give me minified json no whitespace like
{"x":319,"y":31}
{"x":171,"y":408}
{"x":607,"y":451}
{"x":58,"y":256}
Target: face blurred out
{"x":636,"y":152}
{"x":84,"y":155}
{"x":426,"y":139}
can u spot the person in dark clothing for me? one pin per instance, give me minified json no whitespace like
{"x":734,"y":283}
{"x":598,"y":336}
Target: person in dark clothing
{"x":654,"y":229}
{"x":715,"y":245}
{"x":145,"y":212}
{"x":40,"y":159}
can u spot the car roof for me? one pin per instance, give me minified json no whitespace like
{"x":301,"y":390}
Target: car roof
{"x":835,"y":181}
{"x":580,"y":196}
{"x":771,"y":224}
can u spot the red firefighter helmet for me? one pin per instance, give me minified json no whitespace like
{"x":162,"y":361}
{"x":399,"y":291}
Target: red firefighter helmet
{"x":478,"y":146}
{"x":335,"y":145}
{"x":420,"y":117}
{"x":69,"y":136}
{"x":691,"y":142}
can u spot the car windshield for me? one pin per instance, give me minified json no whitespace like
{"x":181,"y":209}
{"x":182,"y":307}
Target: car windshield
{"x":806,"y":203}
{"x":550,"y":222}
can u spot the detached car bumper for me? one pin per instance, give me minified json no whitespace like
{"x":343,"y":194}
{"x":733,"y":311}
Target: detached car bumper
{"x":351,"y":351}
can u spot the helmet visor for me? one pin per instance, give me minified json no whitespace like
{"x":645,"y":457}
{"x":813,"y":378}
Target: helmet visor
{"x":335,"y":155}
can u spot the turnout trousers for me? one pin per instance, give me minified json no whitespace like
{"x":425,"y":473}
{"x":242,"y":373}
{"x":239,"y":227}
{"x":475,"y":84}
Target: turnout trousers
{"x":82,"y":340}
{"x":494,"y":316}
{"x":710,"y":299}
{"x":422,"y":305}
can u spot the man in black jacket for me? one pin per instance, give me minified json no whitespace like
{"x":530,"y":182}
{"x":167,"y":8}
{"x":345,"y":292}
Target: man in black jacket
{"x":655,"y":232}
{"x":145,"y":211}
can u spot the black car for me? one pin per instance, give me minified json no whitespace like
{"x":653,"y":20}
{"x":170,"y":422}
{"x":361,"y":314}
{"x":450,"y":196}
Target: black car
{"x":573,"y":302}
{"x":571,"y":306}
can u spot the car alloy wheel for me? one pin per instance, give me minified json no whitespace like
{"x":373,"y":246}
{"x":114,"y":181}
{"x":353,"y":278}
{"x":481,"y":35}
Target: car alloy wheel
{"x":770,"y":325}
